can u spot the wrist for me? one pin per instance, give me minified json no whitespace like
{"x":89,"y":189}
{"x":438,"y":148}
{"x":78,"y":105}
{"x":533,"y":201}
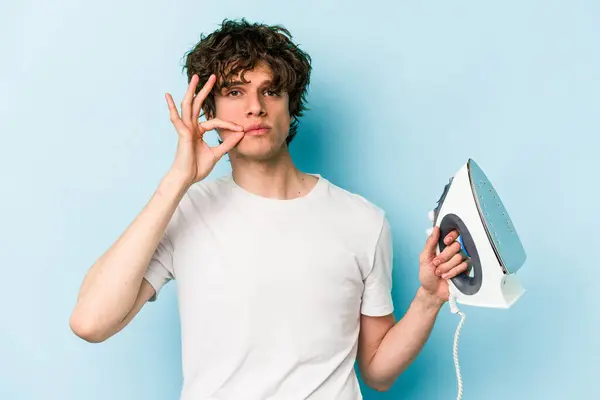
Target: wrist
{"x":174,"y":184}
{"x":428,"y":300}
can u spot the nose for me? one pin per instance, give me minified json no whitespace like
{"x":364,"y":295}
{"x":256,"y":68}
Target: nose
{"x":255,"y":105}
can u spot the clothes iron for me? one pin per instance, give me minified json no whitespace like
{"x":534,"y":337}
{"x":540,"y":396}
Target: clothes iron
{"x":489,"y":240}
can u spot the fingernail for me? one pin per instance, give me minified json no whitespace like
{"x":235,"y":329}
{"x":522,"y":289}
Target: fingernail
{"x":436,"y":262}
{"x":445,"y":276}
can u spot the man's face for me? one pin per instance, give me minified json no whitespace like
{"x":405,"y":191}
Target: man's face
{"x":263,"y":113}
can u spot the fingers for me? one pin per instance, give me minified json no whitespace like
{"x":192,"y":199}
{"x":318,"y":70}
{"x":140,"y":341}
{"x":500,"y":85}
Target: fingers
{"x":191,"y":105}
{"x":174,"y":115}
{"x":430,"y":245}
{"x":217,"y":123}
{"x":201,"y":96}
{"x":448,"y":265}
{"x":228,"y":144}
{"x":446,"y":254}
{"x":457,"y":270}
{"x":451,"y":237}
{"x":450,"y":262}
{"x":186,"y":103}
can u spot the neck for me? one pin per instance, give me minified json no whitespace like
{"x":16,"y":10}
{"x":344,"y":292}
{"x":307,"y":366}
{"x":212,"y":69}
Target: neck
{"x":276,"y":178}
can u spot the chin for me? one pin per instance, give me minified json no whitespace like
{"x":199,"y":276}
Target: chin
{"x":258,"y":150}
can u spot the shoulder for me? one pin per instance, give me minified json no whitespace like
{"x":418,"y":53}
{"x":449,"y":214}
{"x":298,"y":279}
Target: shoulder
{"x":207,"y":196}
{"x":202,"y":199}
{"x":355,"y":215}
{"x":355,"y":205}
{"x":210,"y":189}
{"x":359,"y":223}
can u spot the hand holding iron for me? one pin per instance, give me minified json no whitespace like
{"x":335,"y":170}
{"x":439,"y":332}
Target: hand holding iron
{"x":436,"y":269}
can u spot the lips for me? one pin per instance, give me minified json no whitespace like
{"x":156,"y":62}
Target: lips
{"x":256,"y":129}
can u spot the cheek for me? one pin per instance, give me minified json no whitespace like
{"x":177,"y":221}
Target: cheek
{"x":284,"y":124}
{"x":282,"y":114}
{"x":228,"y":111}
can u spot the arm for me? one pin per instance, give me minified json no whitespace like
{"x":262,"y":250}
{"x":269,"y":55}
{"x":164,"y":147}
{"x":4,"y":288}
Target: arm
{"x":387,"y":348}
{"x":113,"y":290}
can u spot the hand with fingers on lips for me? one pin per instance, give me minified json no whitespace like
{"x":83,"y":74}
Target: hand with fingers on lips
{"x":194,"y":158}
{"x":436,"y":269}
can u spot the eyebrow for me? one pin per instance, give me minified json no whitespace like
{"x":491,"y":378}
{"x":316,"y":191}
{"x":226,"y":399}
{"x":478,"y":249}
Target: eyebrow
{"x":232,"y":83}
{"x":228,"y":84}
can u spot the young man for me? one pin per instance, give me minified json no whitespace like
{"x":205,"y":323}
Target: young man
{"x":283,"y":278}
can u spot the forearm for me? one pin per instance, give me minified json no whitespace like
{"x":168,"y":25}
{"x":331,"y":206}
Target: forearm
{"x":111,"y":285}
{"x":403,"y":342}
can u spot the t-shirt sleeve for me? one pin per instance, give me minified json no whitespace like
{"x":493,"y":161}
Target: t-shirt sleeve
{"x":160,"y":268}
{"x":377,"y":295}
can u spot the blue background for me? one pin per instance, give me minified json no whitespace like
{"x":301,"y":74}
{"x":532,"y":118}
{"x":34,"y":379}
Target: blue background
{"x":402,"y":94}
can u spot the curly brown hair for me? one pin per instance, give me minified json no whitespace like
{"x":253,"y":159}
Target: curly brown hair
{"x":238,"y":46}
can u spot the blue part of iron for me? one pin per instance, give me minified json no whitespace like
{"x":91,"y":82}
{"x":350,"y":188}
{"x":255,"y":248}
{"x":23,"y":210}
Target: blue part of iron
{"x":462,"y":247}
{"x":497,"y":222}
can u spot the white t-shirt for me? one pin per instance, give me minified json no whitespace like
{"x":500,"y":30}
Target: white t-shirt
{"x":271,"y":291}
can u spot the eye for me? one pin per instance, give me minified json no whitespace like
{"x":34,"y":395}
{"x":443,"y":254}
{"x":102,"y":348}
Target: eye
{"x":233,"y":93}
{"x":271,"y":93}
